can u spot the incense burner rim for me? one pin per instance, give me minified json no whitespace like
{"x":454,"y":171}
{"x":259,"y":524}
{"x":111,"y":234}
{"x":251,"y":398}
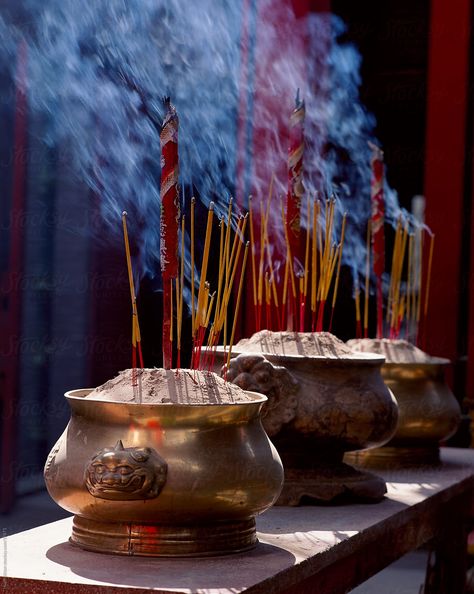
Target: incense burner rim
{"x":79,"y":395}
{"x":368,"y":358}
{"x":433,"y":363}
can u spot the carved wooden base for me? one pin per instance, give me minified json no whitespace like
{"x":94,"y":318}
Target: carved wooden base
{"x":151,"y":540}
{"x":390,"y":457}
{"x":334,"y":482}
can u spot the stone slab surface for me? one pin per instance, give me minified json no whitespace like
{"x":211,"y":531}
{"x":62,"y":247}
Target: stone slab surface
{"x":295,"y":544}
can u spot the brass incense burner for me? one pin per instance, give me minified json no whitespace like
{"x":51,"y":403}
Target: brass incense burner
{"x":319,"y":408}
{"x":161,"y":479}
{"x":429,"y":413}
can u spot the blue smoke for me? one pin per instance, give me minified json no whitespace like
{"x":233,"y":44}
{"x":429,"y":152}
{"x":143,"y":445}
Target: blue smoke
{"x":101,"y":68}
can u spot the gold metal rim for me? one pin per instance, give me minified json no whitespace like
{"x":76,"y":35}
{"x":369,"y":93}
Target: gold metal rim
{"x":388,"y":457}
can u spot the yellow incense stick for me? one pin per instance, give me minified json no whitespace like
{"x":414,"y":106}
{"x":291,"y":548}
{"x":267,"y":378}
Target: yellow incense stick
{"x":221,"y":263}
{"x":222,"y":316}
{"x":396,"y":249}
{"x":252,"y":253}
{"x":338,"y":273}
{"x":357,"y":304}
{"x":181,"y":286}
{"x":306,"y":251}
{"x":410,"y":281}
{"x":269,"y":260}
{"x":261,"y":257}
{"x":136,"y":336}
{"x":237,"y":305}
{"x":171,"y":310}
{"x":205,"y":257}
{"x":428,"y":278}
{"x":420,"y":276}
{"x":209,"y":310}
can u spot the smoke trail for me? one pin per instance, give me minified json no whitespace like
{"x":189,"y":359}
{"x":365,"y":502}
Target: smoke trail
{"x":102,"y":67}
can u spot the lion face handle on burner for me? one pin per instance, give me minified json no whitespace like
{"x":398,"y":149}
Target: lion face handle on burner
{"x":125,"y":474}
{"x":257,"y":374}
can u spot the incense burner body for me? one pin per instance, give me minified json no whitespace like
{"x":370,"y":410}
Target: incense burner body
{"x":318,"y":409}
{"x":429,"y":413}
{"x":163,"y":480}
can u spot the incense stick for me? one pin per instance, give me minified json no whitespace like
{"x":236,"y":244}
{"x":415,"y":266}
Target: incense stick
{"x":428,"y":278}
{"x":193,"y":321}
{"x":136,"y":336}
{"x":338,"y":272}
{"x":237,"y":306}
{"x":367,"y":280}
{"x":252,"y":254}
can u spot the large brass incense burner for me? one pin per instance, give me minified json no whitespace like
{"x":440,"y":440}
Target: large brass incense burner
{"x":161,"y":479}
{"x":429,"y":413}
{"x":319,"y":408}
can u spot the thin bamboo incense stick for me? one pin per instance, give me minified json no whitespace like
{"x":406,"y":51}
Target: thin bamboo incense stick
{"x":357,"y":308}
{"x":367,"y":281}
{"x":428,"y":277}
{"x":409,"y":286}
{"x":252,"y":253}
{"x":136,"y":335}
{"x":338,"y":272}
{"x":396,"y":248}
{"x":227,"y":255}
{"x":314,"y":264}
{"x":179,"y":297}
{"x":193,"y":324}
{"x":397,"y":270}
{"x":418,"y":297}
{"x":405,"y":240}
{"x":269,"y":257}
{"x":220,"y":276}
{"x":301,"y":302}
{"x":222,"y":317}
{"x":237,"y":305}
{"x":205,"y":257}
{"x":289,"y":255}
{"x":306,"y":252}
{"x":268,"y":296}
{"x":171,"y":312}
{"x":261,"y":267}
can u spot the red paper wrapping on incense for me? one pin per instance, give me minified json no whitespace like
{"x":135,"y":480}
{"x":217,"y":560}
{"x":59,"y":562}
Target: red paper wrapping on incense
{"x":169,"y":194}
{"x":377,"y":227}
{"x":169,"y":220}
{"x":295,"y":177}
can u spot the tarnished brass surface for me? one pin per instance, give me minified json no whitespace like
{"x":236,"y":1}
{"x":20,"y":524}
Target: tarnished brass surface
{"x":152,"y":540}
{"x":428,"y":414}
{"x":222,"y":470}
{"x":321,"y":409}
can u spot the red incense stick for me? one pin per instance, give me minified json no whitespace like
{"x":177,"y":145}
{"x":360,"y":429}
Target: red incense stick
{"x":377,"y":227}
{"x":295,"y":184}
{"x":169,"y":222}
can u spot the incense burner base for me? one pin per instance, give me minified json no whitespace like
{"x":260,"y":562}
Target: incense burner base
{"x":156,"y":540}
{"x":331,"y":483}
{"x":393,"y":457}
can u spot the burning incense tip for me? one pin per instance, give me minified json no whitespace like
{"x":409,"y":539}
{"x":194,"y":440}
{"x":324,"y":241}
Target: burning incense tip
{"x":211,"y":206}
{"x":376,"y":149}
{"x":125,"y":213}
